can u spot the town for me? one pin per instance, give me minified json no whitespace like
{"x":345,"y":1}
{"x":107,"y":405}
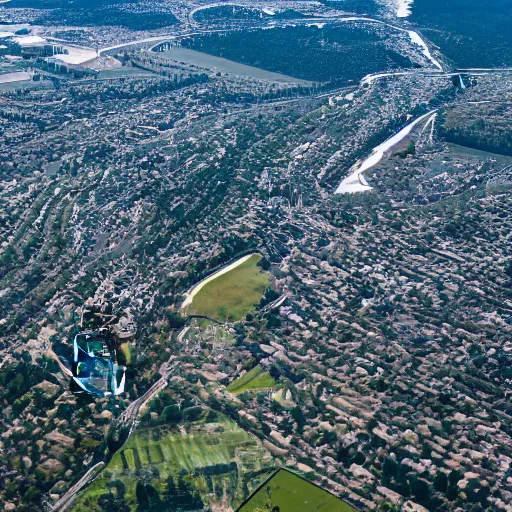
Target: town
{"x":226,"y":268}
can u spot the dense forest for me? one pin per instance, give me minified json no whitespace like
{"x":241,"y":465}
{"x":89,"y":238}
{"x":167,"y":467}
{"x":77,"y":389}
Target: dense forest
{"x":340,"y":53}
{"x":110,"y":16}
{"x":91,"y":13}
{"x":479,"y":127}
{"x":470,"y":32}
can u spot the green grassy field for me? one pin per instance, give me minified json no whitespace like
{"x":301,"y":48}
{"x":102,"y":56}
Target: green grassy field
{"x":233,"y":294}
{"x":254,"y":379}
{"x":214,"y":457}
{"x":292,"y":493}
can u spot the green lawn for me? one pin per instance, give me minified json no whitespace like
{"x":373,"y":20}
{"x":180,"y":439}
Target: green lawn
{"x":233,"y":294}
{"x":292,"y":493}
{"x":254,"y":379}
{"x":201,"y":451}
{"x":130,"y":459}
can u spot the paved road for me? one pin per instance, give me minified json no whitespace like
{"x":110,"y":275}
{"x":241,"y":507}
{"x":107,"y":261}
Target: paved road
{"x":67,"y":499}
{"x":157,"y":39}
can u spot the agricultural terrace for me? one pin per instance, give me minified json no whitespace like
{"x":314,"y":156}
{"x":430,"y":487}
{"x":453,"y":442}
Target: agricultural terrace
{"x":194,"y":464}
{"x":288,"y":492}
{"x":231,"y":293}
{"x":256,"y":378}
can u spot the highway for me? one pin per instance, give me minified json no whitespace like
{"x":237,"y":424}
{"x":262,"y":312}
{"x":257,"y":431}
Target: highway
{"x":130,"y":414}
{"x":68,"y":499}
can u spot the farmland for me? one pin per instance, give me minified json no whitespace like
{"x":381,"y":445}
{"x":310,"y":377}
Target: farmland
{"x":257,"y":378}
{"x":232,"y":295}
{"x":208,"y":460}
{"x":288,"y":492}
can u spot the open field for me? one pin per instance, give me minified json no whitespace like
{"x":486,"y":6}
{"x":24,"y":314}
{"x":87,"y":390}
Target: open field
{"x":254,"y":379}
{"x":232,"y":295}
{"x":20,"y":76}
{"x":291,"y":493}
{"x":211,"y":458}
{"x":208,"y":61}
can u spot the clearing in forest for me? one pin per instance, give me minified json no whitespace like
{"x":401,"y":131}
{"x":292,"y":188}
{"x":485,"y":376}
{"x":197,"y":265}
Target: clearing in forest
{"x":229,"y":296}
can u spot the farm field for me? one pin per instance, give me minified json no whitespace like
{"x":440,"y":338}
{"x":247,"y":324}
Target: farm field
{"x":203,"y":462}
{"x":291,"y":493}
{"x":230,"y":296}
{"x":208,"y":61}
{"x":254,"y":379}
